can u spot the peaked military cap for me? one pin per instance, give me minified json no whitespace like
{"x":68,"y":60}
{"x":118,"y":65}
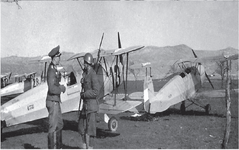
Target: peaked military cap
{"x":55,"y":52}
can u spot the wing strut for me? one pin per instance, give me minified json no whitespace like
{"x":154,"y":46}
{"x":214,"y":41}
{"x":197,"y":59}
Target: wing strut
{"x":122,"y":62}
{"x":80,"y":64}
{"x":209,"y":80}
{"x":119,"y":43}
{"x":127,"y":65}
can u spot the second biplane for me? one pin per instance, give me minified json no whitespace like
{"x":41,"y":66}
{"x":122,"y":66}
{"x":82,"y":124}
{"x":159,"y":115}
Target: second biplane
{"x":22,"y":84}
{"x":112,"y":70}
{"x":182,"y":87}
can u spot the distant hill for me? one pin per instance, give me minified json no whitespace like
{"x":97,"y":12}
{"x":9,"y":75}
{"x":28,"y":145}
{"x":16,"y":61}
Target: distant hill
{"x":161,"y":58}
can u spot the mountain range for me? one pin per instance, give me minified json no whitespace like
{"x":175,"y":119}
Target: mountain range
{"x":161,"y":58}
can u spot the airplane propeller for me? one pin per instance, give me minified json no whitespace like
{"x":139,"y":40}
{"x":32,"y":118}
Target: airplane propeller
{"x":98,"y":55}
{"x":205,"y":71}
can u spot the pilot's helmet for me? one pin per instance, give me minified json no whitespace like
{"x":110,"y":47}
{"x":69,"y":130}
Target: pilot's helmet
{"x":88,"y":58}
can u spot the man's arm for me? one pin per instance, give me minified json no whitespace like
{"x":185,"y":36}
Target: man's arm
{"x":54,"y":88}
{"x":95,"y":88}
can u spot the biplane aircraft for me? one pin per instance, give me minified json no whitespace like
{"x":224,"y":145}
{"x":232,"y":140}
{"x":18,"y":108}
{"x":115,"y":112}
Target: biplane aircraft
{"x":112,"y":70}
{"x":31,"y":105}
{"x":181,"y":87}
{"x":22,"y":84}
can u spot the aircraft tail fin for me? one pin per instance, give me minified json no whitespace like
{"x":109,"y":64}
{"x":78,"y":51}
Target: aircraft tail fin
{"x":148,"y":92}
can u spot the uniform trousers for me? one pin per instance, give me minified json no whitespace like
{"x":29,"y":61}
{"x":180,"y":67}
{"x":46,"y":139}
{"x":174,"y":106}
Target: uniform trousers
{"x":86,"y":123}
{"x":55,"y":116}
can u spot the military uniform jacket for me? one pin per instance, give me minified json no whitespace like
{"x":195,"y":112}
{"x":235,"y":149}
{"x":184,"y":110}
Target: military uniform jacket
{"x":91,"y":88}
{"x":53,"y":79}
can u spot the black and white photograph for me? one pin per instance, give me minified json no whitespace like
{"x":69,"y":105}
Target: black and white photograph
{"x":119,"y":74}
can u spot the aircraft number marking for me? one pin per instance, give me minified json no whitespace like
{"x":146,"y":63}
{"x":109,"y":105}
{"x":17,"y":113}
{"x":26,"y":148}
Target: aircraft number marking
{"x":29,"y":107}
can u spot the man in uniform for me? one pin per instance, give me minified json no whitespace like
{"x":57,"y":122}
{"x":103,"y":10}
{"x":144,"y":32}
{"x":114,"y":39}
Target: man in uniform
{"x":91,"y":88}
{"x":53,"y":101}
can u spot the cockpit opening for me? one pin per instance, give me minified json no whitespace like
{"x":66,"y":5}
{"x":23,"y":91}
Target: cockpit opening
{"x":71,"y":79}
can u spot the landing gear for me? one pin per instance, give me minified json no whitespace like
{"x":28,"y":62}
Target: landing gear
{"x":113,"y":124}
{"x":182,"y":108}
{"x":208,"y":108}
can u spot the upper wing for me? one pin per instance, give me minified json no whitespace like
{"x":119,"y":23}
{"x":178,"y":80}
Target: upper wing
{"x":78,"y":55}
{"x":103,"y":53}
{"x":30,"y":74}
{"x":127,"y":50}
{"x":212,"y":58}
{"x":219,"y":58}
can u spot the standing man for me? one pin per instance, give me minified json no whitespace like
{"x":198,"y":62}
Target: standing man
{"x":91,"y":88}
{"x":53,"y":101}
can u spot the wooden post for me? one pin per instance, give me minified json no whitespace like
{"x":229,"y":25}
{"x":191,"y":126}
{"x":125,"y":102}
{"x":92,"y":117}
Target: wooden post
{"x":228,"y":105}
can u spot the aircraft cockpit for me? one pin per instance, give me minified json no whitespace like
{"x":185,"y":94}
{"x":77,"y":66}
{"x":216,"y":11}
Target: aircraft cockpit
{"x":19,"y":78}
{"x":4,"y":82}
{"x":71,"y":79}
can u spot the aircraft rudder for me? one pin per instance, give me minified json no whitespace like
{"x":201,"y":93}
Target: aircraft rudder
{"x":148,"y":92}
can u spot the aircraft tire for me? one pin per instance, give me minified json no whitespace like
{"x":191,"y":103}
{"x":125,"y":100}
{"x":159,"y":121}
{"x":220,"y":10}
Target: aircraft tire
{"x":113,"y":124}
{"x":208,"y":108}
{"x":182,"y":108}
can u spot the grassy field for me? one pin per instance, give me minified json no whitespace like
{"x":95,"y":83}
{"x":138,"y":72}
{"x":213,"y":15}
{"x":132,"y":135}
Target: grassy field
{"x":166,"y":130}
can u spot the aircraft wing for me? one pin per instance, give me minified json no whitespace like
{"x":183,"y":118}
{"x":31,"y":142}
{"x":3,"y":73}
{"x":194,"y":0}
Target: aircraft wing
{"x":210,"y":94}
{"x":127,"y":50}
{"x":30,"y":74}
{"x":78,"y":55}
{"x":46,"y":57}
{"x":103,"y":53}
{"x":219,"y":58}
{"x":121,"y":106}
{"x":212,"y":58}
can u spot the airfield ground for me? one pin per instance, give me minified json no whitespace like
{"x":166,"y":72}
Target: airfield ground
{"x":166,"y":130}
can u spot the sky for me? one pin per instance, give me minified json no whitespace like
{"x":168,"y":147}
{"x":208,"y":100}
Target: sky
{"x":77,"y":26}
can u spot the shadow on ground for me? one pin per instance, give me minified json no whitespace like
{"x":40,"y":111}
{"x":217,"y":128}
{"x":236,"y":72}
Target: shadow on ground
{"x":170,"y":111}
{"x":102,"y":133}
{"x":29,"y":146}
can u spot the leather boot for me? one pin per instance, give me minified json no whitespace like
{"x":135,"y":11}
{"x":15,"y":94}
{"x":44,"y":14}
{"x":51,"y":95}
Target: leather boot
{"x":59,"y":139}
{"x":87,"y":137}
{"x":51,"y":141}
{"x":83,"y":145}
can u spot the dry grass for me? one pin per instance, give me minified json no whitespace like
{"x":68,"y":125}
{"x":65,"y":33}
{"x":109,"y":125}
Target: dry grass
{"x":169,"y":129}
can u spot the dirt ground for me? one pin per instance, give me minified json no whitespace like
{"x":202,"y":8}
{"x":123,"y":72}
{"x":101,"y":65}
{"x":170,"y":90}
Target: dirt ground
{"x":166,"y":130}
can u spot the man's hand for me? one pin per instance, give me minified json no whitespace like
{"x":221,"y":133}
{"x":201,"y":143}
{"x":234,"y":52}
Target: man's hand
{"x":82,"y":80}
{"x":63,"y":88}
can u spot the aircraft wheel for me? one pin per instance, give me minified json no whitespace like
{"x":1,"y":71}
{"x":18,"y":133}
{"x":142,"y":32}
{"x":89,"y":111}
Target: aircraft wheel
{"x":113,"y":124}
{"x":182,"y":108}
{"x":207,"y":108}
